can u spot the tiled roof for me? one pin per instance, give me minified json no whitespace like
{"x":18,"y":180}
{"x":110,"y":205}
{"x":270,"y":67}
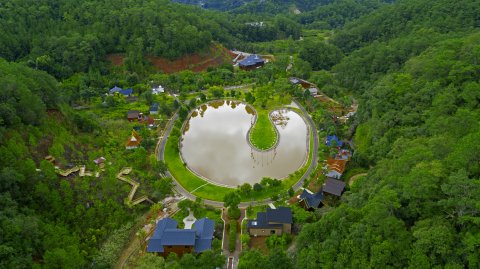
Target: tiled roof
{"x":273,"y":218}
{"x":115,"y":89}
{"x":133,"y":114}
{"x":134,"y":140}
{"x":312,"y":199}
{"x":334,"y":186}
{"x":167,"y":234}
{"x":337,"y":165}
{"x":127,"y":92}
{"x":252,"y":59}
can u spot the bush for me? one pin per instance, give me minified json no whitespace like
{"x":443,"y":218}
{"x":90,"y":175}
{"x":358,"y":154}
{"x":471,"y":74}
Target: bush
{"x":232,"y":235}
{"x":233,"y":213}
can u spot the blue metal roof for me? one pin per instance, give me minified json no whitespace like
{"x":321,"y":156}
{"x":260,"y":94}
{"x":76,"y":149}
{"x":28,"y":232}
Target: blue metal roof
{"x":281,"y":215}
{"x":252,"y":59}
{"x":204,"y":231}
{"x":331,"y":138}
{"x":127,"y":92}
{"x":115,"y":89}
{"x":155,"y":243}
{"x":204,"y":228}
{"x":177,"y":237}
{"x":167,"y":234}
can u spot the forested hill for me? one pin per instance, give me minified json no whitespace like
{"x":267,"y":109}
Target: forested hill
{"x":64,"y":37}
{"x":415,"y":67}
{"x":319,"y":14}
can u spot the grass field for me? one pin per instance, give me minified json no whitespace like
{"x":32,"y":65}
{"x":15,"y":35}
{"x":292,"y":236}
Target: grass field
{"x":263,"y":134}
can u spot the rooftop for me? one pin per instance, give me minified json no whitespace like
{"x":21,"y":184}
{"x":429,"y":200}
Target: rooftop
{"x":273,"y":218}
{"x":331,"y":138}
{"x":312,"y":199}
{"x":334,"y":186}
{"x":252,"y":59}
{"x":167,"y":234}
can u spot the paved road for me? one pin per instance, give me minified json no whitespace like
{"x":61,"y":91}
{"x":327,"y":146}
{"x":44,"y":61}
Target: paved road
{"x":314,"y":163}
{"x":181,"y":190}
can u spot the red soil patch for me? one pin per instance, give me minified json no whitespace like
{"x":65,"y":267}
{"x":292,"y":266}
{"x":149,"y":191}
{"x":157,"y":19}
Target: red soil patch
{"x":216,"y":55}
{"x":116,"y":59}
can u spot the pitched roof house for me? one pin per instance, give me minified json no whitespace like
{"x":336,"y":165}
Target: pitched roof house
{"x":154,"y":108}
{"x":310,"y":200}
{"x":115,"y":89}
{"x":274,"y":221}
{"x":168,"y":238}
{"x":332,"y":138}
{"x":157,"y":89}
{"x":313,"y":91}
{"x":251,"y":62}
{"x":126,"y":92}
{"x":133,"y":115}
{"x":335,"y":168}
{"x":134,"y":141}
{"x":334,"y":186}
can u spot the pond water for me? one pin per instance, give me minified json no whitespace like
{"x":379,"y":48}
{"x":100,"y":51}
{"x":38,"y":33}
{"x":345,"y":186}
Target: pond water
{"x":215,"y":147}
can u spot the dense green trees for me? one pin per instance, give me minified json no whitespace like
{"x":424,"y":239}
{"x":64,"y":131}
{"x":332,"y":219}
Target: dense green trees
{"x":415,"y":209}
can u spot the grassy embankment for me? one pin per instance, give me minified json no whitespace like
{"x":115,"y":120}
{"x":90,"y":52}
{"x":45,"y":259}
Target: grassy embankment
{"x":263,"y":134}
{"x":205,"y":190}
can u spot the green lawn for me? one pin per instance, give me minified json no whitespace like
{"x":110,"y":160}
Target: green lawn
{"x":263,"y":134}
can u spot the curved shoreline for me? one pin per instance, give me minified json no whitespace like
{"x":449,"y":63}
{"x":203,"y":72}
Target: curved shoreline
{"x":249,"y":139}
{"x":313,"y":142}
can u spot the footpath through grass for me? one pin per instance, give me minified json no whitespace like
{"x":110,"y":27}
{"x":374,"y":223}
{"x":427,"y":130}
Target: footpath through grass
{"x":263,"y":135}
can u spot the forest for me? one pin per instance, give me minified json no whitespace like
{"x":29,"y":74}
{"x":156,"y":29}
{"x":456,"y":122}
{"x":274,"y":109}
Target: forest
{"x":412,"y":65}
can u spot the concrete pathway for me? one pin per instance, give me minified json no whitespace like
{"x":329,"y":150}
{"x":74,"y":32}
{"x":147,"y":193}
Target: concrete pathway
{"x":189,"y":220}
{"x":355,"y":177}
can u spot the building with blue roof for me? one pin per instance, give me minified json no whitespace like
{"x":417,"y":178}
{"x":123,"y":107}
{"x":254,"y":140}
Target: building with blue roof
{"x":273,"y":221}
{"x":168,"y":238}
{"x":332,"y":138}
{"x":115,"y":89}
{"x":126,"y":92}
{"x":154,"y":108}
{"x":251,"y":62}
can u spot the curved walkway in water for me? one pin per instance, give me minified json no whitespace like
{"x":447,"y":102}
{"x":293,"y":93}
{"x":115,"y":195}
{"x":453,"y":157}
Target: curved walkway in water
{"x":181,"y":190}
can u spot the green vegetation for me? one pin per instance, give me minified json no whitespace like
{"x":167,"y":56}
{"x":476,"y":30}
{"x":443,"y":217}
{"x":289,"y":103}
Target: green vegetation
{"x":263,"y":134}
{"x":205,"y":190}
{"x":411,"y":65}
{"x":232,"y":235}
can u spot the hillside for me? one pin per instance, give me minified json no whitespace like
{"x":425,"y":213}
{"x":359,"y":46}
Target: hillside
{"x":95,"y":94}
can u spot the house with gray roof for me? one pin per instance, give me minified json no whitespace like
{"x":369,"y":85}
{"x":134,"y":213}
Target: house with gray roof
{"x":273,"y":221}
{"x":167,"y":238}
{"x":309,"y":200}
{"x":334,"y":186}
{"x":251,"y":62}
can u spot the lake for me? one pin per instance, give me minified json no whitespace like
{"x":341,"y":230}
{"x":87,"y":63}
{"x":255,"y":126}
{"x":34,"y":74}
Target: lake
{"x":214,"y":144}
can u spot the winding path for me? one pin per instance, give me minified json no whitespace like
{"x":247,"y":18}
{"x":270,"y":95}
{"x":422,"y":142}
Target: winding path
{"x":181,"y":190}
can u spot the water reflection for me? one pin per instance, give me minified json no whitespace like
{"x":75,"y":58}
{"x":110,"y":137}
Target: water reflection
{"x":215,"y":145}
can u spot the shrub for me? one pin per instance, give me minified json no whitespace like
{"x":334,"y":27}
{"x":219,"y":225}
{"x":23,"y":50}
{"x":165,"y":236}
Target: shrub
{"x":232,"y":235}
